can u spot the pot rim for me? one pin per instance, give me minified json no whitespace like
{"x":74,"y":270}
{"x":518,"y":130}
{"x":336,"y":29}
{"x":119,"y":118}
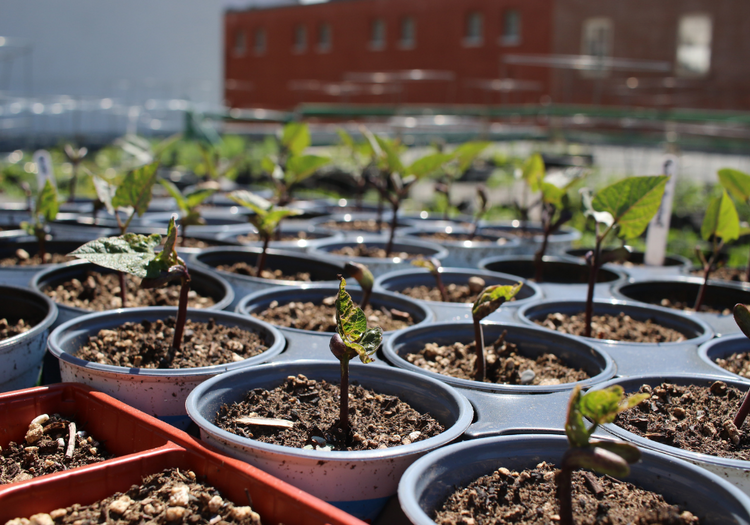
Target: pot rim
{"x":319,"y":250}
{"x":511,"y":241}
{"x":37,"y":329}
{"x":621,"y":276}
{"x":705,"y":348}
{"x":675,"y":279}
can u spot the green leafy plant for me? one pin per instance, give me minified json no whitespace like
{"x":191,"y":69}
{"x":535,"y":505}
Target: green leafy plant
{"x":532,"y":173}
{"x":45,"y":211}
{"x":460,"y":160}
{"x":188,"y":203}
{"x":134,"y":254}
{"x":625,"y":207}
{"x":488,"y":301}
{"x":364,"y":277}
{"x":482,"y":200}
{"x":721,"y":224}
{"x":433,"y":265}
{"x":266,"y":219}
{"x":603,"y":457}
{"x":737,"y":183}
{"x":742,"y":318}
{"x":352,"y":339}
{"x":134,"y":193}
{"x":362,"y":156}
{"x":75,"y":156}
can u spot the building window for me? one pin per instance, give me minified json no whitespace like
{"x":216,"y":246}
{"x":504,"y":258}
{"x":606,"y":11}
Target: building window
{"x":408,"y":36}
{"x":694,"y":46}
{"x":259,"y":43}
{"x":239,"y":43}
{"x":324,"y":38}
{"x":596,"y":42}
{"x":377,"y":34}
{"x":511,"y":28}
{"x":474,"y":31}
{"x":300,"y":39}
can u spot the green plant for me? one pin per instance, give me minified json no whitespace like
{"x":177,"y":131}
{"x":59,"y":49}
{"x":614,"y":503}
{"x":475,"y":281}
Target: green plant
{"x":738,"y":184}
{"x":134,"y":254}
{"x":362,"y":157}
{"x":488,"y":301}
{"x":266,"y":219}
{"x":461,"y":159}
{"x":188,"y":203}
{"x":45,"y":211}
{"x":625,"y":207}
{"x":352,"y":338}
{"x":603,"y":457}
{"x":433,"y":265}
{"x":481,"y":210}
{"x":75,"y":156}
{"x":364,"y":277}
{"x":532,"y":173}
{"x":134,"y":193}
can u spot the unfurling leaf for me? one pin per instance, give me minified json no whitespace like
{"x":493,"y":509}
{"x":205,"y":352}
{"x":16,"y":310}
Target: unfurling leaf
{"x":46,"y":202}
{"x":135,"y":189}
{"x":533,"y":172}
{"x":602,"y":217}
{"x":130,"y":253}
{"x":736,"y":182}
{"x":632,"y":202}
{"x":742,"y":318}
{"x":105,"y":192}
{"x":602,"y":406}
{"x":351,"y":326}
{"x":492,"y":298}
{"x":431,"y":264}
{"x":721,"y":219}
{"x":267,"y":216}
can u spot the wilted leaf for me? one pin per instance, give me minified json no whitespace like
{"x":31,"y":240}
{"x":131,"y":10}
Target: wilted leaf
{"x":492,"y":298}
{"x":104,"y":192}
{"x":351,"y":325}
{"x":632,"y":202}
{"x":135,"y":189}
{"x":721,"y":219}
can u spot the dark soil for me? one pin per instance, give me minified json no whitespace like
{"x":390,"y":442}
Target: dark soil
{"x":736,"y":363}
{"x":242,"y":268}
{"x":528,"y":497}
{"x":191,"y":242}
{"x":321,"y":317}
{"x":148,"y":345}
{"x":694,"y":418}
{"x":685,"y":307}
{"x":362,"y":250}
{"x":505,"y":365}
{"x":254,"y":237}
{"x":370,"y":226}
{"x":22,"y":258}
{"x":725,"y":273}
{"x":101,"y":291}
{"x":44,"y":451}
{"x":11,"y":329}
{"x":171,"y":496}
{"x":458,"y":237}
{"x":457,"y":293}
{"x":377,"y":420}
{"x":619,"y":327}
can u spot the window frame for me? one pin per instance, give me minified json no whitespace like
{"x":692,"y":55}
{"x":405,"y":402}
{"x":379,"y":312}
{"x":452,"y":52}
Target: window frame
{"x":411,"y":42}
{"x":474,"y":20}
{"x":679,"y":68}
{"x":377,"y":44}
{"x":507,"y":39}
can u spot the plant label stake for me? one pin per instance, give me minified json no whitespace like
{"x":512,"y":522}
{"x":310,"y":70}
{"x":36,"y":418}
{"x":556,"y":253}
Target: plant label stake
{"x":488,"y":301}
{"x":44,"y":171}
{"x":658,"y":228}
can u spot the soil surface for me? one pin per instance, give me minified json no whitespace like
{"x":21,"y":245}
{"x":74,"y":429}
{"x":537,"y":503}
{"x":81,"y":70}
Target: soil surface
{"x":370,"y":226}
{"x":619,"y":327}
{"x":22,"y":258}
{"x":457,"y":293}
{"x":736,"y":363}
{"x":171,"y":496}
{"x":254,"y":237}
{"x":362,"y":250}
{"x":101,"y":291}
{"x":685,"y":307}
{"x":11,"y":329}
{"x":505,"y":365}
{"x":459,"y":237}
{"x":725,"y":273}
{"x":191,"y":242}
{"x":321,"y":317}
{"x":148,"y":345}
{"x":45,"y":448}
{"x":528,"y":497}
{"x":692,"y":418}
{"x":242,"y":268}
{"x":376,"y":420}
{"x":518,"y":232}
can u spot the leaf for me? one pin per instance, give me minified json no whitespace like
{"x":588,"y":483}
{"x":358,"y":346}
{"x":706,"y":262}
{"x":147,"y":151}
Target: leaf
{"x":167,"y":257}
{"x":300,"y":167}
{"x":533,"y":172}
{"x":742,"y":318}
{"x":632,"y":202}
{"x":135,"y":189}
{"x":721,"y":219}
{"x":492,"y":298}
{"x":735,"y":182}
{"x":351,"y":325}
{"x":390,"y":155}
{"x":602,"y":217}
{"x":427,"y":165}
{"x":46,"y":202}
{"x":626,"y":451}
{"x":250,"y":200}
{"x":575,"y":427}
{"x":467,"y":152}
{"x":431,"y":264}
{"x":196,"y":197}
{"x":130,"y":253}
{"x":602,"y":406}
{"x":551,"y":194}
{"x":295,"y":137}
{"x":104,"y":192}
{"x":175,"y":193}
{"x":268,"y":165}
{"x":346,"y":138}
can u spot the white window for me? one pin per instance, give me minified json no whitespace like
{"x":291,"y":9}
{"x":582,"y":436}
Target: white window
{"x":596,"y":42}
{"x":511,"y":28}
{"x":259,"y":44}
{"x":377,"y":34}
{"x":694,"y":46}
{"x":324,"y":38}
{"x":408,"y":33}
{"x":300,"y":39}
{"x":474,"y":30}
{"x":239,"y":43}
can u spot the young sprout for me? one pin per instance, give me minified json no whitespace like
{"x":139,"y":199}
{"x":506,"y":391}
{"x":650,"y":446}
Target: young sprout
{"x":134,"y":192}
{"x":481,"y":210}
{"x":266,"y":219}
{"x":45,"y":211}
{"x":532,"y":173}
{"x":433,"y":265}
{"x":352,"y":338}
{"x":362,"y":157}
{"x":742,"y":318}
{"x":603,"y":457}
{"x":461,"y":160}
{"x":488,"y":301}
{"x":363,"y":276}
{"x":721,"y":224}
{"x":626,"y":207}
{"x":738,"y":184}
{"x":134,"y":254}
{"x":188,"y":204}
{"x":75,"y":156}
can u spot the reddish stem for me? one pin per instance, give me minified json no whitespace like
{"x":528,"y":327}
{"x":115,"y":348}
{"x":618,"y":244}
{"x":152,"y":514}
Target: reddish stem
{"x":480,"y":368}
{"x":123,"y":289}
{"x":441,"y":286}
{"x":747,"y":271}
{"x":262,"y":258}
{"x":593,"y":273}
{"x":394,"y":224}
{"x":565,"y":494}
{"x":179,"y":328}
{"x":344,"y":404}
{"x":42,"y":247}
{"x":366,"y":292}
{"x":704,"y":285}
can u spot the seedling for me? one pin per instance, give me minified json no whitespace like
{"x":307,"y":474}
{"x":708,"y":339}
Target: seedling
{"x":134,"y":254}
{"x":75,"y":156}
{"x":134,"y":193}
{"x":461,"y":160}
{"x":433,"y":265}
{"x":352,"y":338}
{"x":532,"y":174}
{"x":362,"y":157}
{"x":721,"y":224}
{"x":603,"y":457}
{"x":481,"y":210}
{"x":742,"y":318}
{"x":266,"y":219}
{"x":488,"y":301}
{"x":188,"y":203}
{"x":625,"y":207}
{"x":45,"y":211}
{"x":363,"y":276}
{"x":738,"y":184}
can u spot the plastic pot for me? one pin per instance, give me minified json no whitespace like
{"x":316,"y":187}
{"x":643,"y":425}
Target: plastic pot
{"x":338,"y":223}
{"x":557,"y":270}
{"x":379,"y":266}
{"x":430,"y":480}
{"x":736,"y":471}
{"x":203,"y":282}
{"x":531,"y":236}
{"x":311,"y":238}
{"x":721,"y":348}
{"x":218,"y":220}
{"x":635,"y":267}
{"x":719,"y":295}
{"x":21,"y":275}
{"x":532,"y":342}
{"x":158,"y":392}
{"x":21,"y":355}
{"x":359,"y":482}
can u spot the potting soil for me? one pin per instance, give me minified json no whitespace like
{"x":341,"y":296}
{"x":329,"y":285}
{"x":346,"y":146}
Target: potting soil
{"x":242,"y":268}
{"x":10,"y":329}
{"x":619,"y":327}
{"x":22,"y":258}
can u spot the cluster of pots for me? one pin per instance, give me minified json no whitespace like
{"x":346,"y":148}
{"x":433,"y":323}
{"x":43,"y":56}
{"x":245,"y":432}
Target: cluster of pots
{"x":491,"y":425}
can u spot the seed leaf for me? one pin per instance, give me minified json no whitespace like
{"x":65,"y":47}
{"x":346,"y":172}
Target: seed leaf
{"x":632,"y":202}
{"x":735,"y":182}
{"x":361,"y":274}
{"x":742,"y":318}
{"x":431,"y":264}
{"x":721,"y":219}
{"x":492,"y":298}
{"x":135,"y":189}
{"x":351,"y":325}
{"x":130,"y":253}
{"x":599,"y":460}
{"x":46,"y":202}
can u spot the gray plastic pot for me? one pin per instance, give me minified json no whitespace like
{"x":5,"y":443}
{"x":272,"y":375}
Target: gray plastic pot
{"x":720,"y":295}
{"x":430,"y":480}
{"x":21,"y":275}
{"x":531,"y":236}
{"x":531,"y":342}
{"x":557,"y":270}
{"x":21,"y":355}
{"x":635,"y":267}
{"x":203,"y":282}
{"x":218,"y":220}
{"x":736,"y":471}
{"x":723,"y":347}
{"x":379,"y":266}
{"x":331,"y":223}
{"x":158,"y":392}
{"x":359,"y":482}
{"x":311,"y":238}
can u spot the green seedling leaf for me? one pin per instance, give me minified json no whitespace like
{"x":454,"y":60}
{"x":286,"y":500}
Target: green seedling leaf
{"x":602,"y":217}
{"x":575,"y":427}
{"x":551,"y":194}
{"x":431,"y":264}
{"x":721,"y":219}
{"x":492,"y":298}
{"x":130,"y":253}
{"x":467,"y":152}
{"x":250,"y":200}
{"x":351,"y":326}
{"x":196,"y":197}
{"x":602,"y":406}
{"x":175,"y":192}
{"x":295,"y":137}
{"x":167,"y":257}
{"x":597,"y":459}
{"x":300,"y":167}
{"x":533,"y":172}
{"x":736,"y":182}
{"x":268,"y":165}
{"x":135,"y":189}
{"x":267,"y":216}
{"x":428,"y":165}
{"x":742,"y":318}
{"x":390,"y":155}
{"x":632,"y":202}
{"x":361,"y":274}
{"x":346,"y":138}
{"x":46,"y":203}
